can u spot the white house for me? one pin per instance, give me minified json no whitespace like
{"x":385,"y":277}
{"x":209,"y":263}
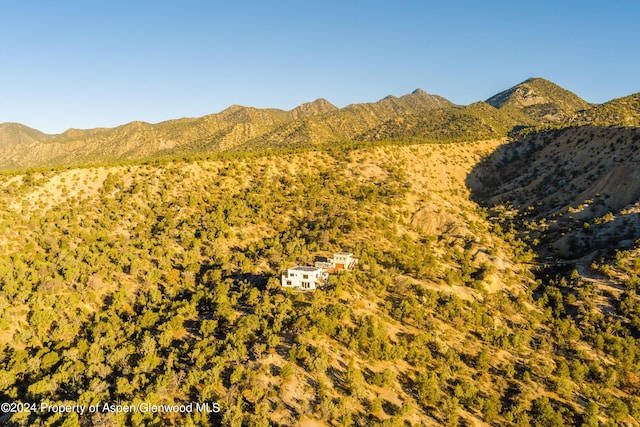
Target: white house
{"x":339,"y":261}
{"x":302,"y":277}
{"x":343,"y":261}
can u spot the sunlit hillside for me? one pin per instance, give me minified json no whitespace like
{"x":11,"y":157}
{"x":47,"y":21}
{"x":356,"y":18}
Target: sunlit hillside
{"x":159,"y":283}
{"x":496,"y":284}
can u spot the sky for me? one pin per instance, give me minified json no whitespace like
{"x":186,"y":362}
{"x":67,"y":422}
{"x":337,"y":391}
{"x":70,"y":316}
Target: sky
{"x":85,"y":64}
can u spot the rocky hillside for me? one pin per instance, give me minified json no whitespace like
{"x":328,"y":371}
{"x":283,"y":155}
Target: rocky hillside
{"x":159,"y":284}
{"x":583,"y":182}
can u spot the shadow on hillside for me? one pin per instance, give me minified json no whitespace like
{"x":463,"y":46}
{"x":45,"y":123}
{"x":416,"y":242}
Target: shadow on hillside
{"x":257,"y":280}
{"x":490,"y":174}
{"x":581,"y":181}
{"x":552,"y":169}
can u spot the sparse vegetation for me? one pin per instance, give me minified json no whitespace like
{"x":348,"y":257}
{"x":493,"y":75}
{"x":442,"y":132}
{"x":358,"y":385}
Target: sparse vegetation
{"x":479,"y":296}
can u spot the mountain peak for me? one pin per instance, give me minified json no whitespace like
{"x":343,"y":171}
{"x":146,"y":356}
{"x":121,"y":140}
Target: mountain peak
{"x":232,"y":109}
{"x":540,"y":99}
{"x":536,"y":79}
{"x":422,"y":101}
{"x":319,"y":106}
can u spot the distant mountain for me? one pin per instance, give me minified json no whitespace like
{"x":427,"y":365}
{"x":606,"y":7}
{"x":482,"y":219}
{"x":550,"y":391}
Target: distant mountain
{"x":309,"y":109}
{"x":618,"y":112}
{"x":420,"y":100}
{"x":236,"y":127}
{"x":474,"y":122}
{"x":541,"y":100}
{"x":139,"y":140}
{"x":15,"y":133}
{"x":417,"y":116}
{"x":347,"y":123}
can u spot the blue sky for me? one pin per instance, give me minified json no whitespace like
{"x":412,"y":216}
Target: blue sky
{"x":86,"y":64}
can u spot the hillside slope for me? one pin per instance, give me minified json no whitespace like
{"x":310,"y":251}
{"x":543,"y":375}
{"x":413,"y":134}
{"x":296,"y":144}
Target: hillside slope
{"x":160,"y":283}
{"x":572,"y":195}
{"x":583,"y":181}
{"x":15,"y":133}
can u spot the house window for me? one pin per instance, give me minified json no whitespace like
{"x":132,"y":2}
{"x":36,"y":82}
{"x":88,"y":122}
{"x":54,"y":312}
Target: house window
{"x":288,"y":282}
{"x":305,"y":285}
{"x":305,"y":276}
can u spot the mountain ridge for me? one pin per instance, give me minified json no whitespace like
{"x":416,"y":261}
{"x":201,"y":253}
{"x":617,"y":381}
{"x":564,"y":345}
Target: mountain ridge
{"x":416,"y":116}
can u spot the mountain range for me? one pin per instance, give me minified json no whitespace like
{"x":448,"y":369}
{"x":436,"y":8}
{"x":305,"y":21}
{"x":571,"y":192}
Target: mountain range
{"x":418,"y":116}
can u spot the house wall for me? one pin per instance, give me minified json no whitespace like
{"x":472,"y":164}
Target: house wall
{"x":341,"y":261}
{"x":307,"y":280}
{"x":323,"y":264}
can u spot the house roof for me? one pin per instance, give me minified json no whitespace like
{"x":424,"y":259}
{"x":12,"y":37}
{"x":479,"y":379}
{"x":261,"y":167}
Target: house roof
{"x":305,"y":268}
